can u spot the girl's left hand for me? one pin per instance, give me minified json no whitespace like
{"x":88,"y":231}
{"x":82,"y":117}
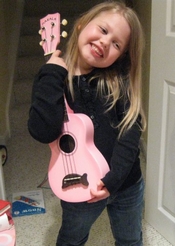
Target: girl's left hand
{"x":100,"y":194}
{"x":56,"y":59}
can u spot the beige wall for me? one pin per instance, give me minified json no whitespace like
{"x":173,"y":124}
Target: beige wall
{"x":143,"y":8}
{"x":4,"y":86}
{"x":8,"y":41}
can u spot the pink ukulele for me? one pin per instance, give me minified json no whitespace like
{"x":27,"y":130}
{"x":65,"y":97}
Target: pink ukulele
{"x":76,"y":164}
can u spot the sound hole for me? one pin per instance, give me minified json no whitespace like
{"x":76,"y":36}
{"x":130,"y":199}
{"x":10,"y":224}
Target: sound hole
{"x":67,"y":143}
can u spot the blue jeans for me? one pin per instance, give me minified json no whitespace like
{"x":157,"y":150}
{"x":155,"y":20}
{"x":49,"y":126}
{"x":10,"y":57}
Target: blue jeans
{"x":124,"y":211}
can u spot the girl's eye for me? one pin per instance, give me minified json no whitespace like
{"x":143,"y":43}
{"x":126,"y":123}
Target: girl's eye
{"x":104,"y":30}
{"x":116,"y":45}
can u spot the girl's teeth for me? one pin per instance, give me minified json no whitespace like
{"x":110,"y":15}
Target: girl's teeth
{"x":97,"y":50}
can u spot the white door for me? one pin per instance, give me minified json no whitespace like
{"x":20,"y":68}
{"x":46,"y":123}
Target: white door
{"x":160,"y":178}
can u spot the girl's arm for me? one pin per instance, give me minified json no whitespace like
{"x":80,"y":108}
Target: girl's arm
{"x":125,"y":154}
{"x":46,"y":113}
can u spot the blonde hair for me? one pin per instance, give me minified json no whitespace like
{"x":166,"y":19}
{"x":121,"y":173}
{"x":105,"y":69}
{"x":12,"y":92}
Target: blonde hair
{"x":124,"y":76}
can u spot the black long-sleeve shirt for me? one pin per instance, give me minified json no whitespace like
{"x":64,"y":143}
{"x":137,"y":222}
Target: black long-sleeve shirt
{"x":46,"y":119}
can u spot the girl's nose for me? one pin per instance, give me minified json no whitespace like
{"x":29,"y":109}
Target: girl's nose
{"x":105,"y":42}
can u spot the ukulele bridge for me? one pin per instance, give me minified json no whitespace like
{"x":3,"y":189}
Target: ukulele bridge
{"x":73,"y":179}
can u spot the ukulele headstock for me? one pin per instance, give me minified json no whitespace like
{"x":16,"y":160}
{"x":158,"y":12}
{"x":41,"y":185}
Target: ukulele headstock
{"x":50,"y":32}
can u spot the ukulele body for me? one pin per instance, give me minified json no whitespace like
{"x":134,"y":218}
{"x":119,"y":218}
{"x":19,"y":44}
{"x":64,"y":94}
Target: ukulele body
{"x":76,"y":165}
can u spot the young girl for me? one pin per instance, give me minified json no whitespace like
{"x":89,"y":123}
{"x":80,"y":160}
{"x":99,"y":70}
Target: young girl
{"x":100,"y":75}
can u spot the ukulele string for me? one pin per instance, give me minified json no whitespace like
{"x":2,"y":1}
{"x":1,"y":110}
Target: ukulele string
{"x":52,"y":36}
{"x":70,"y":161}
{"x":65,"y":164}
{"x":67,"y":158}
{"x":45,"y":41}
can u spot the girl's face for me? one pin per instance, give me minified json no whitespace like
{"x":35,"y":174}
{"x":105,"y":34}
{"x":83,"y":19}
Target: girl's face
{"x":102,"y":41}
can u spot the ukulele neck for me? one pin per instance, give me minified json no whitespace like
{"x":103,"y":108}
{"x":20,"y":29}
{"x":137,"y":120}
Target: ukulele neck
{"x":66,"y":118}
{"x":47,"y":57}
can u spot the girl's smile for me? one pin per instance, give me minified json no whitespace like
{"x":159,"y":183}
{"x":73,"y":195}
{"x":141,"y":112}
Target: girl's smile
{"x":96,"y":51}
{"x":102,"y":41}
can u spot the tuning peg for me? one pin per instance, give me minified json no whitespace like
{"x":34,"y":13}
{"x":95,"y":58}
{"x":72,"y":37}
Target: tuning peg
{"x":64,"y":34}
{"x":64,"y":22}
{"x":52,"y":24}
{"x":42,"y":42}
{"x":52,"y":36}
{"x":40,"y":31}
